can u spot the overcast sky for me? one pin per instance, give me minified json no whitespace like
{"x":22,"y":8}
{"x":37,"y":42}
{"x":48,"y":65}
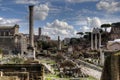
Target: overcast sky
{"x":60,"y":17}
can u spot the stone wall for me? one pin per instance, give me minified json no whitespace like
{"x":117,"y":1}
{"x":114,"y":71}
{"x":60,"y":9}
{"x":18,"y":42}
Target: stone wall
{"x":7,"y":44}
{"x":9,"y":78}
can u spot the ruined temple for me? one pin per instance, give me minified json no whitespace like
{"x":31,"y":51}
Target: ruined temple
{"x":115,"y":31}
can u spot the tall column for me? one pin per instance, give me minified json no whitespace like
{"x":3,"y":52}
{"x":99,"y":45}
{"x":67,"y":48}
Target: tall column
{"x":96,"y":41}
{"x":4,"y":33}
{"x":99,"y":40}
{"x":42,"y":72}
{"x":102,"y":57}
{"x":59,"y":43}
{"x":39,"y":32}
{"x":31,"y":32}
{"x":91,"y":41}
{"x":1,"y":73}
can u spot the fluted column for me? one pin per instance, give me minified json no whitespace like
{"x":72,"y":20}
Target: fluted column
{"x":91,"y":41}
{"x":102,"y":57}
{"x":59,"y":43}
{"x":99,"y":40}
{"x":96,"y":41}
{"x":31,"y":31}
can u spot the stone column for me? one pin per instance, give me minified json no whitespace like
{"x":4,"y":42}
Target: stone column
{"x":31,"y":32}
{"x":99,"y":40}
{"x":42,"y":72}
{"x":91,"y":41}
{"x":22,"y":45}
{"x":4,"y":33}
{"x":96,"y":41}
{"x":115,"y":75}
{"x":39,"y":32}
{"x":34,"y":55}
{"x":111,"y":69}
{"x":102,"y":57}
{"x":59,"y":43}
{"x":1,"y":73}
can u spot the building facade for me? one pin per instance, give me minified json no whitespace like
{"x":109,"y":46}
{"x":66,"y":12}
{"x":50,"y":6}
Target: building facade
{"x":11,"y":40}
{"x":113,"y":45}
{"x":115,"y":31}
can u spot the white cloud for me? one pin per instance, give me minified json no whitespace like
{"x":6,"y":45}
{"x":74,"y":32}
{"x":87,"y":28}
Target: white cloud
{"x":41,"y":11}
{"x":90,"y":24}
{"x":80,"y":22}
{"x":7,"y":22}
{"x":27,"y":1}
{"x":109,"y":6}
{"x":80,"y":1}
{"x":59,"y":28}
{"x":94,"y":22}
{"x":85,"y":29}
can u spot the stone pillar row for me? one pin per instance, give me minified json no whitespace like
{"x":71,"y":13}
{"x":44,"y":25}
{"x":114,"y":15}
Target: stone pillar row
{"x":95,"y":43}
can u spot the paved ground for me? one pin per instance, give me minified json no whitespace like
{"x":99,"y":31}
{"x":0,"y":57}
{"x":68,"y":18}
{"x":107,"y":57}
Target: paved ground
{"x":91,"y":72}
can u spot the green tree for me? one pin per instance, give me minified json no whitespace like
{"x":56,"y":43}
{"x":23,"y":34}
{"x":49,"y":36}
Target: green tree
{"x":74,"y":41}
{"x":80,"y":33}
{"x":46,"y":45}
{"x":105,"y":26}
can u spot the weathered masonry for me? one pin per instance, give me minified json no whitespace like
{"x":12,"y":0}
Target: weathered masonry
{"x":7,"y":37}
{"x":11,"y":40}
{"x":23,"y":71}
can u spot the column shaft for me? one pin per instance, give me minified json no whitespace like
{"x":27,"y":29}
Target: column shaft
{"x":96,"y":41}
{"x":91,"y":41}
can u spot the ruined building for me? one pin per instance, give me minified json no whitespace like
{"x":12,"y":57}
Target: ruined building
{"x":23,"y":71}
{"x":115,"y":31}
{"x":11,"y":40}
{"x":42,"y":37}
{"x":31,"y":28}
{"x":95,"y":39}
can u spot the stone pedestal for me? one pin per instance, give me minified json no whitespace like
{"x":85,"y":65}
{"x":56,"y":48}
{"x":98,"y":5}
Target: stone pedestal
{"x":111,"y":70}
{"x":102,"y":58}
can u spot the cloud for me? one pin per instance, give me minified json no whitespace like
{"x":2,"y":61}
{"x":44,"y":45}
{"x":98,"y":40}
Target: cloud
{"x":7,"y":22}
{"x":80,"y":1}
{"x":41,"y":11}
{"x":27,"y":1}
{"x":5,"y":9}
{"x":85,"y":29}
{"x":90,"y":24}
{"x":94,"y":22}
{"x":59,"y":28}
{"x":109,"y":6}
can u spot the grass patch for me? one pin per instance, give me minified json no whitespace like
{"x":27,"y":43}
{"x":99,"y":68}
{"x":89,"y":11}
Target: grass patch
{"x":48,"y":61}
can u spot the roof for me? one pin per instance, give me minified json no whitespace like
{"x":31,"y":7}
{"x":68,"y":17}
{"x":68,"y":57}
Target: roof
{"x":96,"y":30}
{"x":116,"y":24}
{"x":9,"y":27}
{"x":6,"y":27}
{"x":114,"y":43}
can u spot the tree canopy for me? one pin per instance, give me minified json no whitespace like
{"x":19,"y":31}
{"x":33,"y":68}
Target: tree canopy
{"x":105,"y":25}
